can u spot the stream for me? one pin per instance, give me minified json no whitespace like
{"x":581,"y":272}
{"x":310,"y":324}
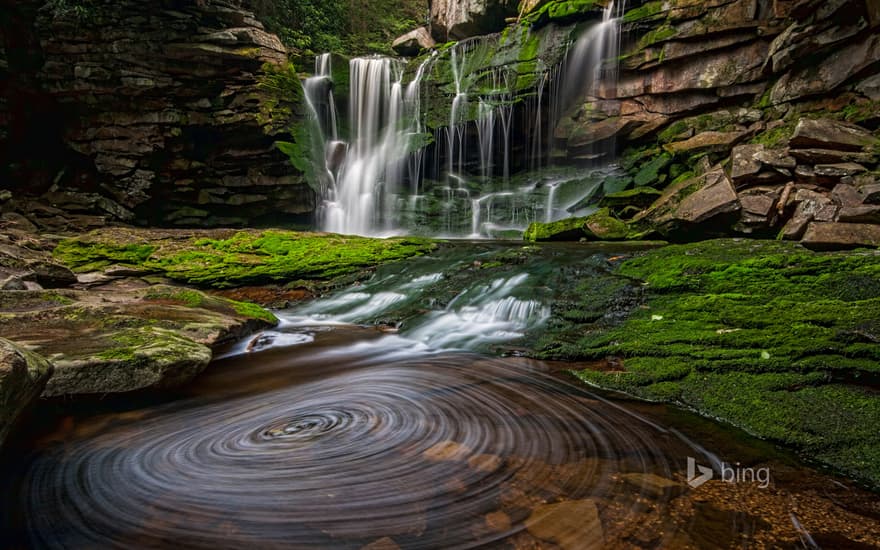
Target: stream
{"x":377,"y":417}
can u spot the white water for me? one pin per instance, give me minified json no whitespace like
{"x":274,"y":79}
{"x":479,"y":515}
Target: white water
{"x":373,"y":182}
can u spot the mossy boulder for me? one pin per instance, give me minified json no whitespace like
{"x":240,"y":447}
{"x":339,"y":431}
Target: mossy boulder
{"x":569,"y":229}
{"x":765,"y":335}
{"x":23,"y":375}
{"x":602,"y":226}
{"x":125,"y":340}
{"x":229,"y":258}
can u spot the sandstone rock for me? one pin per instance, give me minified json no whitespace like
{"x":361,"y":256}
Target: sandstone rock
{"x":385,"y":543}
{"x":709,"y":199}
{"x":870,"y":87}
{"x":641,"y":197}
{"x":868,"y":213}
{"x":485,"y":462}
{"x":459,"y":19}
{"x":573,"y":525}
{"x":836,"y":236}
{"x":411,"y":43}
{"x":831,"y":156}
{"x":846,"y":195}
{"x":23,"y":375}
{"x":830,"y":172}
{"x":707,"y":142}
{"x":831,"y":134}
{"x":447,"y":451}
{"x":745,"y":164}
{"x":836,"y":69}
{"x":498,"y":522}
{"x":119,"y":341}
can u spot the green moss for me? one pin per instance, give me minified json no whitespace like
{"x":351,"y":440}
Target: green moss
{"x":246,"y":257}
{"x":777,"y":137}
{"x":649,"y":10}
{"x":649,"y":172}
{"x":602,"y":226}
{"x":558,"y":10}
{"x":569,"y":229}
{"x":765,"y":335}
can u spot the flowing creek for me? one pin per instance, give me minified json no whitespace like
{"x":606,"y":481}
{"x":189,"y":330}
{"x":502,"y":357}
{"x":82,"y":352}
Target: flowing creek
{"x":331,"y":432}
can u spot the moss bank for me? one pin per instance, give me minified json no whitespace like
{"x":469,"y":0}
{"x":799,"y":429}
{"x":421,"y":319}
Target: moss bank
{"x":764,"y":335}
{"x":225,"y":258}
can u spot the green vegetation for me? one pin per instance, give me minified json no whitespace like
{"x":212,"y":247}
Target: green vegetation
{"x":227,"y":259}
{"x":765,"y":335}
{"x":353,"y":28}
{"x":569,"y":229}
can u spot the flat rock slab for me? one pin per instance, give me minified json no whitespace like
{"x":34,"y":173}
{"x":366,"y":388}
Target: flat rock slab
{"x":119,"y":341}
{"x":839,"y":236}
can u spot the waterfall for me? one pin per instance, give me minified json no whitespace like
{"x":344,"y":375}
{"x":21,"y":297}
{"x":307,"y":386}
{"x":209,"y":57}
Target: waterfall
{"x":383,"y":178}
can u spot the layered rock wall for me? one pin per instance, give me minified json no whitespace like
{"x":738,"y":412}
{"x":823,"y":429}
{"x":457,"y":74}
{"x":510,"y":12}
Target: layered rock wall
{"x":165,"y":112}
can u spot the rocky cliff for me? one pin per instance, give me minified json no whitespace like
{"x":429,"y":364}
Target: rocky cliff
{"x":751,"y":117}
{"x":164,"y":112}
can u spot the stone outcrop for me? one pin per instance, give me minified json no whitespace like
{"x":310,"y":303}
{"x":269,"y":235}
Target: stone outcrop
{"x":23,"y":375}
{"x":122,"y":339}
{"x":165,"y":113}
{"x":458,"y":19}
{"x":411,"y":43}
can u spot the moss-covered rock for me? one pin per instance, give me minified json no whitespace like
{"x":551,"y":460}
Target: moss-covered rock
{"x":226,"y":258}
{"x":569,"y":229}
{"x":602,"y":226}
{"x":125,"y":340}
{"x":765,"y":335}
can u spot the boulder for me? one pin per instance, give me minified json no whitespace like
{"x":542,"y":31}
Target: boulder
{"x":708,"y":200}
{"x":125,"y":340}
{"x":23,"y":375}
{"x":871,"y":193}
{"x":602,"y":226}
{"x":460,"y":19}
{"x":831,"y":156}
{"x":825,"y":133}
{"x":867,"y":213}
{"x":838,"y":236}
{"x":569,"y":229}
{"x":846,"y":195}
{"x":411,"y":43}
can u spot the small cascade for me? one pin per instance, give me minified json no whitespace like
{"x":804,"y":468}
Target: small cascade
{"x":585,"y":71}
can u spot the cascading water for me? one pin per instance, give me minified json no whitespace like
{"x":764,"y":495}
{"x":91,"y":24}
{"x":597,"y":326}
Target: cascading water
{"x":375,"y":182}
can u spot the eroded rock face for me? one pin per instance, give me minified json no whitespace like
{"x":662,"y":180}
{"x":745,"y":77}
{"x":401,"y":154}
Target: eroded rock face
{"x":458,"y":19}
{"x":164,"y":114}
{"x":23,"y":375}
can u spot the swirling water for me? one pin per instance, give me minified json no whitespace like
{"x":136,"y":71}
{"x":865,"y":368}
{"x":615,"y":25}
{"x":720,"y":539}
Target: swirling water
{"x":324,"y":434}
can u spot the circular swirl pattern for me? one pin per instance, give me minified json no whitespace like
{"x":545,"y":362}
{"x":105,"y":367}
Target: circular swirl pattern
{"x":429,"y":451}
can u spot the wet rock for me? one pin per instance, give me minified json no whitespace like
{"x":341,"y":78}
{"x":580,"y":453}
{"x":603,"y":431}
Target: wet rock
{"x":652,"y":484}
{"x":745,"y":164}
{"x":23,"y":375}
{"x":447,"y":451}
{"x":640,"y":197}
{"x":118,"y":341}
{"x":411,"y":43}
{"x":485,"y":463}
{"x":758,"y":209}
{"x":569,"y":229}
{"x":385,"y":543}
{"x":573,"y":525}
{"x":498,"y":522}
{"x":824,"y":133}
{"x":838,"y":236}
{"x":602,"y":226}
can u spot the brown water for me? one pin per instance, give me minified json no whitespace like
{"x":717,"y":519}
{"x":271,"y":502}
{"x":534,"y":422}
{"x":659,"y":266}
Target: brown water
{"x":350,"y":441}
